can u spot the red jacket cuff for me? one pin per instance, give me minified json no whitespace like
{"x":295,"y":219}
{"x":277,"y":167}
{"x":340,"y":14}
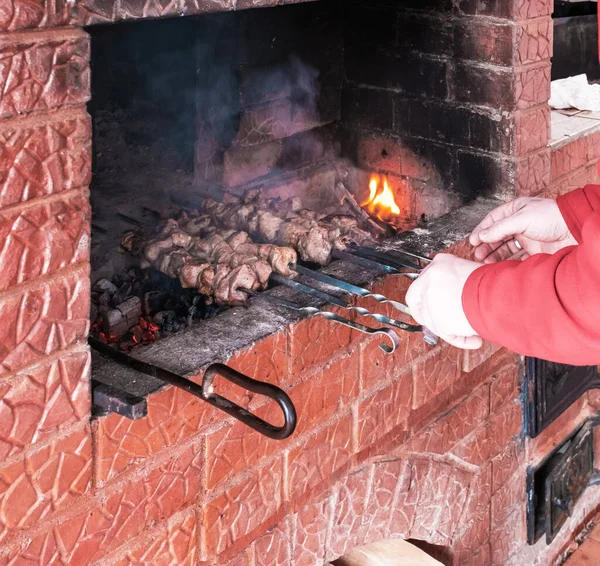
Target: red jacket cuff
{"x":470,"y":300}
{"x":575,"y":209}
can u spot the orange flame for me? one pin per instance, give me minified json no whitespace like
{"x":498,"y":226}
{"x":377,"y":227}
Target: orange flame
{"x":381,"y":202}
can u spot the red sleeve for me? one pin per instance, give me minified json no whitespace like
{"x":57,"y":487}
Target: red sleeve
{"x":576,"y":207}
{"x":547,"y":306}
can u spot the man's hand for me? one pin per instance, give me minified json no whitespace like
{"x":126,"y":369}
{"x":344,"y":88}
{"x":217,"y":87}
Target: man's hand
{"x":435,"y":300}
{"x":535,"y":223}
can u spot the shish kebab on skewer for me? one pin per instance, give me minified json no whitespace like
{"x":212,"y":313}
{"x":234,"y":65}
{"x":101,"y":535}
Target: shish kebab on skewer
{"x":314,"y":236}
{"x":227,"y":266}
{"x":220,"y":266}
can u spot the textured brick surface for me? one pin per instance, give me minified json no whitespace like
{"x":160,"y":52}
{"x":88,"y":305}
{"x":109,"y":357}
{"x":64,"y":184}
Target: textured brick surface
{"x":44,"y":481}
{"x":378,"y":367}
{"x":533,"y":173}
{"x":525,"y":9}
{"x":430,"y":503}
{"x":173,"y":416}
{"x":442,"y":435}
{"x":319,"y":396}
{"x":243,"y":508}
{"x":43,"y":239}
{"x":42,"y":160}
{"x":385,"y":410}
{"x":43,"y":74}
{"x":266,"y":361}
{"x":492,"y":438}
{"x":173,"y":544}
{"x":273,"y":548}
{"x":507,"y":537}
{"x":23,"y":14}
{"x":313,"y":344}
{"x":348,"y":513}
{"x":314,"y":460}
{"x":576,"y":154}
{"x":504,"y":388}
{"x":310,"y":531}
{"x":35,"y":404}
{"x":42,"y":319}
{"x":235,"y":448}
{"x":94,"y":11}
{"x":474,"y":358}
{"x":532,"y":129}
{"x":533,"y":86}
{"x":534,"y":41}
{"x":122,"y":515}
{"x":435,"y":374}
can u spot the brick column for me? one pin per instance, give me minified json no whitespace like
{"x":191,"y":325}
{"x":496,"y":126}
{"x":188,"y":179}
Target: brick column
{"x":45,"y":156}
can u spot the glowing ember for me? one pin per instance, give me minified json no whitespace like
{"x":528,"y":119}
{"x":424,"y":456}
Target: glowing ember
{"x":145,"y":332}
{"x":381,"y":202}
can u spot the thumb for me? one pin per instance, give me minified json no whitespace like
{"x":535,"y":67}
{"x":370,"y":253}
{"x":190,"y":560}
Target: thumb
{"x":464,"y":342}
{"x":503,"y":229}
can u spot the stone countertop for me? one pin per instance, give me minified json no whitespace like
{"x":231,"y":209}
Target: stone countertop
{"x":190,"y":351}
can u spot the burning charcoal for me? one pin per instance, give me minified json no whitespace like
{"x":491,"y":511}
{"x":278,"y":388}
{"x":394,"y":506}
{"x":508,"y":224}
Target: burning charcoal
{"x":131,"y":309}
{"x":126,"y":276}
{"x":105,"y":286}
{"x":121,"y":295}
{"x":154,"y":301}
{"x":164,"y":318}
{"x":101,"y":298}
{"x":114,"y":323}
{"x":94,"y":312}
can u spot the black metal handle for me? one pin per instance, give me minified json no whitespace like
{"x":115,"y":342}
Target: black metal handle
{"x":267,"y":389}
{"x":205,"y":392}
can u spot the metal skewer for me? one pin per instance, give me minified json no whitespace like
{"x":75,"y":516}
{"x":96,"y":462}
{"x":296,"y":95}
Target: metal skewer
{"x":349,"y":287}
{"x":393,"y":258}
{"x":387,"y":332}
{"x":364,"y":262}
{"x":378,"y":256}
{"x":428,"y":336}
{"x":341,"y":303}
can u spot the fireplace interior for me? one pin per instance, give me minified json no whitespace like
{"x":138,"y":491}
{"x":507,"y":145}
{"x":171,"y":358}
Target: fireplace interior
{"x":322,"y":102}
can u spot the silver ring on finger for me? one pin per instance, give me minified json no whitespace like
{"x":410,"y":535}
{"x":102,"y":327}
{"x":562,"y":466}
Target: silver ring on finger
{"x":517,"y":244}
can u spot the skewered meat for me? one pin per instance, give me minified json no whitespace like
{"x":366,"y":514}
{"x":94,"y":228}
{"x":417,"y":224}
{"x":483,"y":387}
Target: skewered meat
{"x":218,"y":263}
{"x":312,"y":234}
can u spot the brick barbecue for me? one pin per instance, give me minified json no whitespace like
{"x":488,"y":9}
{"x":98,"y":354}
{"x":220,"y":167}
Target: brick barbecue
{"x":448,"y":100}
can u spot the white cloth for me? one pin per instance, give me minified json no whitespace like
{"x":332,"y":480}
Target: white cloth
{"x":575,"y":92}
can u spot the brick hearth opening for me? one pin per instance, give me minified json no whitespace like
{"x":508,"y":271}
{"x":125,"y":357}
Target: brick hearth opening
{"x":448,"y":99}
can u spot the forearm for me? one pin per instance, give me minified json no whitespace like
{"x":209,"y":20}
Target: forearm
{"x":547,"y":306}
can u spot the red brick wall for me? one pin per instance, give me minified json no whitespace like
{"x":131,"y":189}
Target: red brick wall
{"x":575,"y":164}
{"x":424,"y":444}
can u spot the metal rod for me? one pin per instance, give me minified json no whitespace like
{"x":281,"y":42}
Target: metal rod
{"x":364,"y":262}
{"x":206,"y":393}
{"x":387,"y":332}
{"x":341,"y":303}
{"x":387,"y":259}
{"x":349,"y":287}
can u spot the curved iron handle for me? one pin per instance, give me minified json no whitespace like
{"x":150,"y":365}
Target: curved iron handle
{"x":206,"y":393}
{"x":260,"y":387}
